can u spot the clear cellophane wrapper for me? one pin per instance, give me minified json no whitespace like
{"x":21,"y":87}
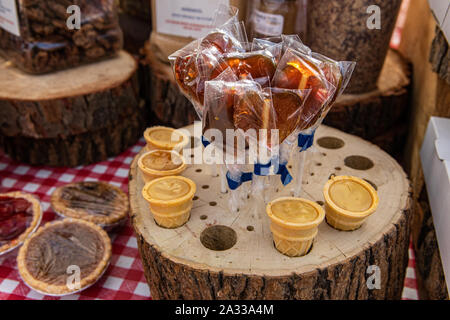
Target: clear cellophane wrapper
{"x":45,"y":43}
{"x":275,"y":84}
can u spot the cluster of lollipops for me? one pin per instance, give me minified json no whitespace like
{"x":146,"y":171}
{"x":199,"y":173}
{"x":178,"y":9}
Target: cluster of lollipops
{"x":273,"y":83}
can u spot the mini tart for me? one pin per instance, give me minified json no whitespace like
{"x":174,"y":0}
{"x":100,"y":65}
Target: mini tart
{"x":97,"y":202}
{"x":20,"y":215}
{"x":44,"y":258}
{"x":165,"y":138}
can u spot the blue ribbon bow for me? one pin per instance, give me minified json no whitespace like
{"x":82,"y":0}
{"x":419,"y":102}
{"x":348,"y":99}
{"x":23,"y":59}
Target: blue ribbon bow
{"x":305,"y":141}
{"x":205,"y":142}
{"x":234,"y":184}
{"x":264,"y":170}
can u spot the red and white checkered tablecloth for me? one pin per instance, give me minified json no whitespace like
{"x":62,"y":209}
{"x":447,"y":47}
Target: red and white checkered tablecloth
{"x":124,"y":279}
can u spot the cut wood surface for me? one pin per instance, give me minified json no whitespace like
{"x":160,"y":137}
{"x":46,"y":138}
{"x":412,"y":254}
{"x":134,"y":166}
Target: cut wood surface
{"x":68,"y":102}
{"x":178,"y":266}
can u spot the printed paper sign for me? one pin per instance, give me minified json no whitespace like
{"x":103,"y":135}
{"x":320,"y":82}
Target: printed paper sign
{"x":186,"y":18}
{"x":8,"y":17}
{"x":268,"y":24}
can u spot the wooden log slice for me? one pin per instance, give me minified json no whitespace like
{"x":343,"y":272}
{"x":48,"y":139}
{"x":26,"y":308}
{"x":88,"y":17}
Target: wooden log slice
{"x":69,"y":102}
{"x":168,"y":104}
{"x":371,"y":115}
{"x":340,"y":29}
{"x":178,"y":265}
{"x":80,"y":149}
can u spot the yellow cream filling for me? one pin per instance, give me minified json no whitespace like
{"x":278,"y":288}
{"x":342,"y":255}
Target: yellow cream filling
{"x":295,"y":211}
{"x":351,"y":196}
{"x":168,"y":137}
{"x":161,"y":161}
{"x":169,"y":189}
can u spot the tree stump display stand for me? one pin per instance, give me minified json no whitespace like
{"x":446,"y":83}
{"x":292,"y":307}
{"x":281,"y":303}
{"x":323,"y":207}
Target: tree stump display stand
{"x":72,"y":117}
{"x":380,"y":116}
{"x":178,"y":263}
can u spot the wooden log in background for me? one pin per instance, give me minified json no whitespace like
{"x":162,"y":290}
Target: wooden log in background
{"x":381,"y":115}
{"x":430,"y":97}
{"x":440,"y":56}
{"x":429,"y":270}
{"x":168,"y":104}
{"x":71,"y":117}
{"x":178,"y":266}
{"x":338,"y":29}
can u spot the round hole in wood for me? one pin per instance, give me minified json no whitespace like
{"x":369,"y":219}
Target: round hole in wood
{"x":205,"y":186}
{"x":372,"y":184}
{"x":320,"y":203}
{"x":338,"y":168}
{"x":213,"y":203}
{"x":203,"y":217}
{"x":318,"y":164}
{"x":195,"y":198}
{"x":198,"y":170}
{"x":218,"y":238}
{"x":358,"y":163}
{"x":330,"y":142}
{"x":250,"y":228}
{"x":312,"y":174}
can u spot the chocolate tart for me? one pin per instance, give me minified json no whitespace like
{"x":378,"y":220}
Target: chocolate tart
{"x":20,"y":215}
{"x":97,"y":202}
{"x":45,"y":258}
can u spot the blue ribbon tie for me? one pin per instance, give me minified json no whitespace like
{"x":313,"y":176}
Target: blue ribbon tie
{"x":305,"y":141}
{"x":262,"y":169}
{"x":205,"y":142}
{"x":234,"y":184}
{"x":286,"y":177}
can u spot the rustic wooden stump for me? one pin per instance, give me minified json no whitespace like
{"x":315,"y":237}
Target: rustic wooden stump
{"x":379,"y":116}
{"x":71,"y":117}
{"x":440,"y":56}
{"x":178,"y":264}
{"x":168,"y":104}
{"x":338,"y":28}
{"x":429,"y":270}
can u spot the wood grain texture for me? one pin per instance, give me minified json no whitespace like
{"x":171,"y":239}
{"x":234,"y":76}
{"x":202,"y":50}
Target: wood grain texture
{"x":70,"y":102}
{"x":338,"y":29}
{"x":168,"y":104}
{"x":81,"y":149}
{"x":377,"y":115}
{"x":178,"y":266}
{"x":440,"y":56}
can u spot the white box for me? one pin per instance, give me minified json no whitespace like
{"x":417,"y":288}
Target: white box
{"x":435,"y":157}
{"x":441,"y":10}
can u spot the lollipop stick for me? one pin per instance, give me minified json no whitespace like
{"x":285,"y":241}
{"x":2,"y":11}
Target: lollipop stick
{"x":299,"y":170}
{"x":223,"y":178}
